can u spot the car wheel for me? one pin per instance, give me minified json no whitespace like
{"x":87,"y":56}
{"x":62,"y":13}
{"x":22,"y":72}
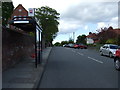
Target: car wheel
{"x":110,"y":55}
{"x":101,"y":53}
{"x":117,"y":64}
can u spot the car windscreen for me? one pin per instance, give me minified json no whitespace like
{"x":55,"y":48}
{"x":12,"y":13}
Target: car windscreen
{"x":113,"y":47}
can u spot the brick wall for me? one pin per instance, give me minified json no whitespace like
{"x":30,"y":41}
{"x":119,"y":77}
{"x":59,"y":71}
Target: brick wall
{"x":15,"y":47}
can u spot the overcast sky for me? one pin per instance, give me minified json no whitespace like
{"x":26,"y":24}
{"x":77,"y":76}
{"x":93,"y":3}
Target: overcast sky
{"x":78,"y":16}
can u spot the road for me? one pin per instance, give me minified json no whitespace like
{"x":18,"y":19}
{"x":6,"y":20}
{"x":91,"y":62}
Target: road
{"x":79,"y":68}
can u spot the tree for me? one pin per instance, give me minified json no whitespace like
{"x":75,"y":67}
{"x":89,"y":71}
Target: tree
{"x":64,"y":42}
{"x":57,"y":44}
{"x":106,"y":34}
{"x":48,"y":19}
{"x":31,"y":33}
{"x":81,"y":39}
{"x":71,"y":41}
{"x":110,"y":28}
{"x":111,"y":41}
{"x":118,"y":39}
{"x":7,"y":9}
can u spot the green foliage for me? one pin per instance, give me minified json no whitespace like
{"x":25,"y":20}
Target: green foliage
{"x":71,"y":41}
{"x":111,"y":41}
{"x":106,"y":35}
{"x":81,"y":39}
{"x":118,"y":40}
{"x":67,"y":42}
{"x":31,"y":33}
{"x":57,"y":44}
{"x":96,"y":47}
{"x":47,"y":18}
{"x":102,"y":41}
{"x":64,"y":42}
{"x":7,"y":9}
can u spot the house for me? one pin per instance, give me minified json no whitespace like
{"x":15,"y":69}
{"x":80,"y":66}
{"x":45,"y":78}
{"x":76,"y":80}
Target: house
{"x":110,"y":33}
{"x":19,"y":11}
{"x":91,"y":38}
{"x":116,"y":31}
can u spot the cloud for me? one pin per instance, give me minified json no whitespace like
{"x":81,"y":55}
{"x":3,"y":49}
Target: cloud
{"x":112,"y":22}
{"x":101,"y":25}
{"x":99,"y":13}
{"x":68,"y":26}
{"x":91,"y":12}
{"x":86,"y":27}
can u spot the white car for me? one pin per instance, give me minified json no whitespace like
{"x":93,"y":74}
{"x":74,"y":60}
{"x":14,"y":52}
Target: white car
{"x":108,"y":49}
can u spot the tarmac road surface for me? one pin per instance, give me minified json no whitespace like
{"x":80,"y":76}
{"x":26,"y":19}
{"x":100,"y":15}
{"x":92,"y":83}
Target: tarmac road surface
{"x":78,"y":68}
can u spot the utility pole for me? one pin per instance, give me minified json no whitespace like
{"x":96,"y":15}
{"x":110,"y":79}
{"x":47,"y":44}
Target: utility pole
{"x":73,"y":36}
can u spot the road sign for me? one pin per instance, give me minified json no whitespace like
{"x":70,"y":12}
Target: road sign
{"x":31,"y":12}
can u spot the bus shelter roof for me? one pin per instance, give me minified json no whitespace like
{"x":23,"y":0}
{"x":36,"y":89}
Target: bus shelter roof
{"x":25,"y":23}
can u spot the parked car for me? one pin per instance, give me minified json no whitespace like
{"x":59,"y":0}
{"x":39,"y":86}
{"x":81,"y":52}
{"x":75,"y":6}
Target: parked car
{"x":117,"y":60}
{"x":65,"y":45}
{"x":108,"y":49}
{"x":76,"y":46}
{"x":80,"y":46}
{"x":71,"y":45}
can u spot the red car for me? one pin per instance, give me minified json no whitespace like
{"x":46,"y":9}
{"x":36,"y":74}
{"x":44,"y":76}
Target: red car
{"x":117,"y":60}
{"x":82,"y":46}
{"x":76,"y":46}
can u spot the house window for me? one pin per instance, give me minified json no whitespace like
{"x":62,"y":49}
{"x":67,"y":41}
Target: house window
{"x":20,"y":10}
{"x":19,"y":16}
{"x":14,"y":17}
{"x":25,"y":17}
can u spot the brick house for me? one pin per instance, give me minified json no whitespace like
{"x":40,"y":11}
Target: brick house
{"x":110,"y":33}
{"x":116,"y":31}
{"x":91,"y":38}
{"x":19,"y":11}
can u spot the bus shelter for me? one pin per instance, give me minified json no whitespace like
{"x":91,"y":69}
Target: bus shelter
{"x":29,"y":24}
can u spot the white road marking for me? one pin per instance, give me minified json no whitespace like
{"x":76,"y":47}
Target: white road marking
{"x":67,"y":48}
{"x":81,"y":54}
{"x":95,"y":60}
{"x":78,"y":53}
{"x":88,"y":57}
{"x":73,"y":51}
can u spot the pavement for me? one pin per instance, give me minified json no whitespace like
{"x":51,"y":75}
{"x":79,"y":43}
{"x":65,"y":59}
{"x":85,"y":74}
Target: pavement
{"x":24,"y":74}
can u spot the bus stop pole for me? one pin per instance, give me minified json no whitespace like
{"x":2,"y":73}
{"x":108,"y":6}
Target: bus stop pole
{"x":35,"y":47}
{"x":35,"y":41}
{"x":39,"y":49}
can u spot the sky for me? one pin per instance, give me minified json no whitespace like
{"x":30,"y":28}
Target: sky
{"x":78,"y":16}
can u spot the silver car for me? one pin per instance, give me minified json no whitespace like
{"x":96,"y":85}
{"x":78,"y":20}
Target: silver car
{"x":108,"y":49}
